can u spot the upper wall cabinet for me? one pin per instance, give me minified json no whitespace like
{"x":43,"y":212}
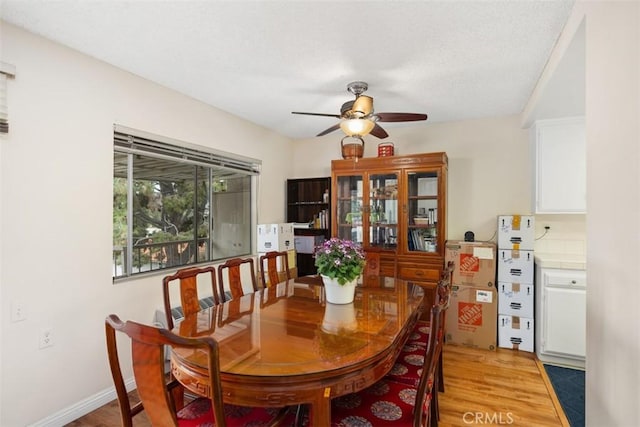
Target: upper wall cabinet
{"x":560,"y":178}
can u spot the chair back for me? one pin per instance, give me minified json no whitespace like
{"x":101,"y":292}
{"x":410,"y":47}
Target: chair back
{"x":443,"y":289}
{"x":427,"y":384}
{"x":233,"y":269}
{"x":271,"y":271}
{"x":189,"y":301}
{"x":147,"y":354}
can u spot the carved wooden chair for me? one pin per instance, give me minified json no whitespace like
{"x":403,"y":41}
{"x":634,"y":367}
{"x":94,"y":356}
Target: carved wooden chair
{"x":405,"y":370}
{"x":233,"y":269}
{"x":189,"y":301}
{"x":157,"y":399}
{"x":271,"y":271}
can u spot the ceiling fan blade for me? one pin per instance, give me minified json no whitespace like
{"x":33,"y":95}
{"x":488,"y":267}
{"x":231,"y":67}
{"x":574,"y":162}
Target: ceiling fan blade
{"x":337,"y":116}
{"x":362,"y":106}
{"x":331,"y":129}
{"x":400,"y":117}
{"x":379,"y":132}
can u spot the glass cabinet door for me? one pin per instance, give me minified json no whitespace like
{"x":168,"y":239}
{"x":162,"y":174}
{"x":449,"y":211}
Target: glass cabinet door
{"x":349,"y":204}
{"x":383,"y":210}
{"x":422,"y":211}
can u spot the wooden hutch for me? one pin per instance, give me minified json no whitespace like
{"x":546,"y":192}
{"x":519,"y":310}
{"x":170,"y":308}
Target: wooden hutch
{"x":396,"y":204}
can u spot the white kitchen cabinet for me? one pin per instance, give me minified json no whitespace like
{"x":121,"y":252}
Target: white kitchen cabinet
{"x":560,"y":178}
{"x":561,"y":315}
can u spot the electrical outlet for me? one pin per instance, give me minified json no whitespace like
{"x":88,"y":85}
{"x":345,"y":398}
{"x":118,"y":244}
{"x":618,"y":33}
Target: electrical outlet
{"x":46,"y":337}
{"x":18,"y":312}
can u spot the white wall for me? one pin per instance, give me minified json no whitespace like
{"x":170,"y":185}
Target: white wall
{"x":613,"y":206}
{"x":612,"y":105}
{"x":489,"y":166}
{"x":56,"y":211}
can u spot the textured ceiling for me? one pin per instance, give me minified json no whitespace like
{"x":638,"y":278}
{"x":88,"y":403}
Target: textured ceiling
{"x":260,"y":60}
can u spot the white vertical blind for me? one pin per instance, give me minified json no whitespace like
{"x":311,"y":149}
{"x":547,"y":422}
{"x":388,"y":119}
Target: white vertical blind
{"x":6,"y":71}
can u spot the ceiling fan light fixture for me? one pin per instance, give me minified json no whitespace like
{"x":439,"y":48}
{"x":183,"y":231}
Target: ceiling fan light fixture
{"x":357,"y":127}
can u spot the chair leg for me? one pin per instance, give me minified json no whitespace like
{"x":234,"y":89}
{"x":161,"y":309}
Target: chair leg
{"x":434,"y":407}
{"x":433,"y":415}
{"x":280,"y":416}
{"x":434,"y":411}
{"x":300,"y":415}
{"x":440,"y":375}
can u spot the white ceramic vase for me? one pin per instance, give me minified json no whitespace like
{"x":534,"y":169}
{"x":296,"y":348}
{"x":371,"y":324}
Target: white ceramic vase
{"x":335,"y":293}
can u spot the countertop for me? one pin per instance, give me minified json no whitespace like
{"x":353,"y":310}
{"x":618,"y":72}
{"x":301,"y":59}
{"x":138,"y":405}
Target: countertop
{"x":555,"y":260}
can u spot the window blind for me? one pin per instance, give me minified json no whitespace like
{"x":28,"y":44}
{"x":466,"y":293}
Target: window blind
{"x":133,"y":141}
{"x":6,"y":71}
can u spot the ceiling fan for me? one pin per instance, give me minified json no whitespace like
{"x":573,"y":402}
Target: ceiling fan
{"x":358,"y":117}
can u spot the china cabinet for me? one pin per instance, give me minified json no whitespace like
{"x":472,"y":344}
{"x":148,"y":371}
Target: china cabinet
{"x":396,"y":204}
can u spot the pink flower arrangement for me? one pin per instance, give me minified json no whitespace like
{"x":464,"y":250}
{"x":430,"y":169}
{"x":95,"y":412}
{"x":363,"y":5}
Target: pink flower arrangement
{"x":340,"y":259}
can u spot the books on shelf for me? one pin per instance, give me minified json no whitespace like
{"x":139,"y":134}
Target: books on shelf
{"x":321,"y":220}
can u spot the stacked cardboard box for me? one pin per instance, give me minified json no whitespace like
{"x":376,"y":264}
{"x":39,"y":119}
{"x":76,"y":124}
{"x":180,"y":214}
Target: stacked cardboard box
{"x":471,"y":317}
{"x":275,"y":237}
{"x":516,"y":236}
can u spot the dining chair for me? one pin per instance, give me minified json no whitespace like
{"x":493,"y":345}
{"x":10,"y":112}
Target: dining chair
{"x":393,"y":403}
{"x":189,"y":301}
{"x":407,"y":368}
{"x":271,"y":271}
{"x":156,"y":396}
{"x":233,"y":269}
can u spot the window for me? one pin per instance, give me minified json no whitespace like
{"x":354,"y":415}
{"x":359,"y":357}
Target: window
{"x":176,"y":204}
{"x":6,"y":71}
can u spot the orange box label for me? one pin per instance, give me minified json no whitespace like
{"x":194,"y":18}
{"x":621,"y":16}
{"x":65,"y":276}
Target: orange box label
{"x":469,"y":314}
{"x":469,"y":264}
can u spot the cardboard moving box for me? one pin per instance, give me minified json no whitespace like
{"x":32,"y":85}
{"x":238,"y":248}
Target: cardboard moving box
{"x":515,"y":299}
{"x":515,"y":332}
{"x":516,"y":232}
{"x":471,"y":317}
{"x":515,"y":266}
{"x":275,"y":237}
{"x":475,"y":262}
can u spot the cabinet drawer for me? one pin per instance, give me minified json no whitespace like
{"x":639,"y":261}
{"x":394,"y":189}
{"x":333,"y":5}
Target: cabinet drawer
{"x":413,"y":273}
{"x":387,"y":269}
{"x":564,"y":277}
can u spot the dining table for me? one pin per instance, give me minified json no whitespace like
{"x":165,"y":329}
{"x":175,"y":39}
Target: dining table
{"x":284,"y":345}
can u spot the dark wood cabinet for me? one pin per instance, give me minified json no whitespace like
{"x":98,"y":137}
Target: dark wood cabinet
{"x":396,"y":204}
{"x":309,"y":202}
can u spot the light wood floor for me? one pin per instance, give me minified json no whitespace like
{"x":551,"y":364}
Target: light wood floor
{"x":482,"y":388}
{"x":502,"y":387}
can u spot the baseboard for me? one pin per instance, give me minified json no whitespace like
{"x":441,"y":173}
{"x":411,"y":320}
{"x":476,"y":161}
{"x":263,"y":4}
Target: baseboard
{"x":81,"y":408}
{"x":552,"y":393}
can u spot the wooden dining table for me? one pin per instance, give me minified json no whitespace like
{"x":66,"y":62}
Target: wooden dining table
{"x":284,"y":345}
